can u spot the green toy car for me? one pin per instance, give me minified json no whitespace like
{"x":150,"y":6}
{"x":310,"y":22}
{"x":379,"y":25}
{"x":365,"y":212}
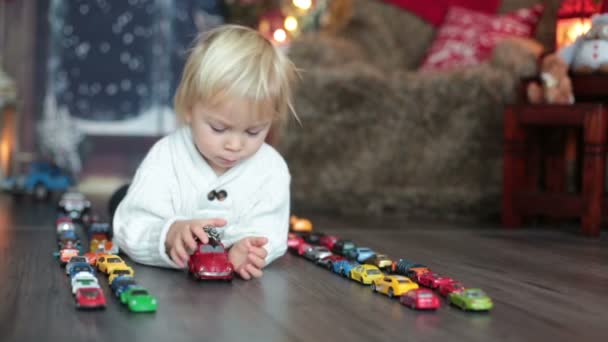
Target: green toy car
{"x":471,"y":299}
{"x":138,"y":299}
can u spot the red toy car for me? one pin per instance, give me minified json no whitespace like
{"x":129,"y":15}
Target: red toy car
{"x":303,"y":247}
{"x":433,"y":280}
{"x":210,"y":261}
{"x":421,"y":299}
{"x":90,"y":298}
{"x":447,"y":288}
{"x":294,"y":241}
{"x":328,"y":241}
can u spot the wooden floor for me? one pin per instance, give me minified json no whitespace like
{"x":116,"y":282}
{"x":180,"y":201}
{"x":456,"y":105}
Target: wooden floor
{"x":548,"y":284}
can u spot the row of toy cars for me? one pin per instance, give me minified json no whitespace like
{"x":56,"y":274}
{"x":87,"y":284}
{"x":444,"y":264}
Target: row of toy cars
{"x":413,"y":283}
{"x":74,"y":211}
{"x":85,"y":285}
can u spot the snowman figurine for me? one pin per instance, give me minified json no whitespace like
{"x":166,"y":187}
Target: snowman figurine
{"x":589,"y":53}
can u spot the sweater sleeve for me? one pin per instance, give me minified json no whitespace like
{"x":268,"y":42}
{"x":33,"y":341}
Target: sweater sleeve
{"x":269,"y":216}
{"x":144,"y":216}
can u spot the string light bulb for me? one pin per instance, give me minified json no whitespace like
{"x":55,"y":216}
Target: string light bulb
{"x":291,"y":23}
{"x":302,"y":4}
{"x":279,"y":35}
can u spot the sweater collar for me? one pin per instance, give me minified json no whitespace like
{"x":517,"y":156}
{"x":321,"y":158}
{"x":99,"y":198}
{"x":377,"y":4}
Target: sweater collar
{"x":200,"y":164}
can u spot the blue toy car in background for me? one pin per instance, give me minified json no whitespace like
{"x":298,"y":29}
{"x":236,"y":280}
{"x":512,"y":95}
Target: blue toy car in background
{"x":343,"y":267}
{"x":41,"y":179}
{"x":360,"y":253}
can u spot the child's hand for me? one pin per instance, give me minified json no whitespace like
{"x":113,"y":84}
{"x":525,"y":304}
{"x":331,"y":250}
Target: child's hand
{"x":180,"y":238}
{"x":248,"y":257}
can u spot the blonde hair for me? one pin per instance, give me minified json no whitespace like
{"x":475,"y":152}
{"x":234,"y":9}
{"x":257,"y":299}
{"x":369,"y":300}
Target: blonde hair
{"x":236,"y":61}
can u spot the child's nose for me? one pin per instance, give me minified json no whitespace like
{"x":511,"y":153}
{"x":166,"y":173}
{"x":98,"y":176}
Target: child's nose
{"x":234,"y":143}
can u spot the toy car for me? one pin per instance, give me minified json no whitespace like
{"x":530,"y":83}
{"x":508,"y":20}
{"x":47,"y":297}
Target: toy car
{"x":106,"y":263}
{"x":66,"y":254}
{"x":293,"y":241}
{"x":83,"y":279}
{"x":421,"y":299}
{"x":365,"y":274}
{"x":447,"y":288}
{"x":343,"y":247}
{"x":68,"y":239}
{"x":312,"y":237}
{"x":360,"y":254}
{"x":317,"y":252}
{"x":103,"y":246}
{"x":328,"y":261}
{"x":74,"y":204}
{"x":63,"y":225}
{"x":120,"y":271}
{"x":100,"y":231}
{"x":432,"y":280}
{"x":81,"y":267}
{"x":90,"y":297}
{"x":379,"y":260}
{"x":210,"y":261}
{"x":343,"y":267}
{"x":92,"y":257}
{"x":471,"y":299}
{"x":328,"y":241}
{"x":41,"y":179}
{"x":393,"y":285}
{"x":410,"y":269}
{"x":73,"y":261}
{"x":297,"y":224}
{"x":120,"y":284}
{"x":138,"y":299}
{"x":303,"y":248}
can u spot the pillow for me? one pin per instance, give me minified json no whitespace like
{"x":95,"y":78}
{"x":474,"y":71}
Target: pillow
{"x":434,"y":11}
{"x":467,"y":37}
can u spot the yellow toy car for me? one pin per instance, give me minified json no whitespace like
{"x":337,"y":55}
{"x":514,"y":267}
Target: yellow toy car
{"x":393,"y":285}
{"x":299,"y":225}
{"x":379,"y":260}
{"x":365,"y":274}
{"x":107,"y":263}
{"x":120,"y":271}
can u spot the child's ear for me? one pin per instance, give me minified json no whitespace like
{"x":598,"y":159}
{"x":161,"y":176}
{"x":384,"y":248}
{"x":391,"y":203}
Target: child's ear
{"x":188,"y":115}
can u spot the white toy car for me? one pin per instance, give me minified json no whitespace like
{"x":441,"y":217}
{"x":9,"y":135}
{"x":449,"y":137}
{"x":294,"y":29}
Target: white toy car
{"x":74,"y":204}
{"x":84,"y":279}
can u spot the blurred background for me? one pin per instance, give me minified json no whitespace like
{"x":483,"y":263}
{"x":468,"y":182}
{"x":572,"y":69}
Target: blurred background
{"x":401,"y":100}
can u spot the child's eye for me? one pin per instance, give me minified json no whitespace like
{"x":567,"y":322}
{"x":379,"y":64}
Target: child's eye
{"x":217,"y":128}
{"x":253,"y":133}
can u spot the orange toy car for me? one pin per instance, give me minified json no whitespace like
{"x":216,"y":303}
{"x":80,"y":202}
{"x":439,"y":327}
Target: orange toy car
{"x":299,"y":225}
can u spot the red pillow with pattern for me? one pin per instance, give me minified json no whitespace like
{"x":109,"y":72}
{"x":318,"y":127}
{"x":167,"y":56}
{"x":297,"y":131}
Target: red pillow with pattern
{"x":468,"y":37}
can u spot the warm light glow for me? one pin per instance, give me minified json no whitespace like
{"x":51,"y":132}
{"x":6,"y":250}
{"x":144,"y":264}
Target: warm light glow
{"x":7,"y":139}
{"x":279,"y":35}
{"x":291,"y":23}
{"x":570,"y":29}
{"x":264,"y":26}
{"x":302,"y":4}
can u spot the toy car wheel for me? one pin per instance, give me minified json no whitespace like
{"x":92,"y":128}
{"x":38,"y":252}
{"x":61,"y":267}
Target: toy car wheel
{"x":391,"y":293}
{"x":373,"y":286}
{"x":40,"y":192}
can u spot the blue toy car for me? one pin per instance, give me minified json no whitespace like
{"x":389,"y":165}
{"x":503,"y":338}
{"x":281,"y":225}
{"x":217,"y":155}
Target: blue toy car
{"x":360,"y":253}
{"x":343,"y":267}
{"x":100,"y":228}
{"x":122,"y":283}
{"x":41,"y":179}
{"x":81,"y":267}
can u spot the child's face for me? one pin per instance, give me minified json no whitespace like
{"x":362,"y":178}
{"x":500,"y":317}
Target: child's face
{"x":227,"y":133}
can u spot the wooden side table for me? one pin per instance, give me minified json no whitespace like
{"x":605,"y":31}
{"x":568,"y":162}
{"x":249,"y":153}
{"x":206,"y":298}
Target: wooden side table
{"x":521,"y":194}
